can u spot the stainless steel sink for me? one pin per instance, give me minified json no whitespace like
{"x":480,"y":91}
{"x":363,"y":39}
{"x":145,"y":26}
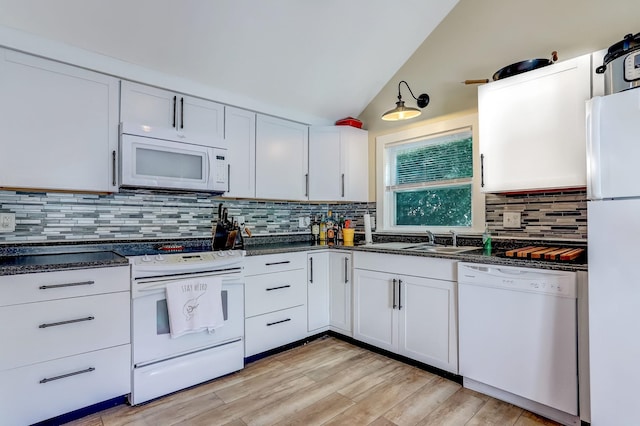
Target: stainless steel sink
{"x":423,"y":247}
{"x":396,"y":245}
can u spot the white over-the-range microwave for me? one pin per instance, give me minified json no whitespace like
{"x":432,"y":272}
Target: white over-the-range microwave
{"x":159,"y":158}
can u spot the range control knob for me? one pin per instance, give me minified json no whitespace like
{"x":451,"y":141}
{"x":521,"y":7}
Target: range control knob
{"x":146,"y":258}
{"x":159,"y":258}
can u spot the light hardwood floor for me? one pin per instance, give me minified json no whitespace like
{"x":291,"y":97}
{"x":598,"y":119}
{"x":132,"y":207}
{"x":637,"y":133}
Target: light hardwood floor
{"x":325,"y":382}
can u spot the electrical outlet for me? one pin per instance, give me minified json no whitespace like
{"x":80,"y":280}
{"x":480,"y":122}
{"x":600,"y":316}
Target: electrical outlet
{"x":511,"y":220}
{"x":7,"y":222}
{"x":307,"y":221}
{"x":240,"y":220}
{"x":301,"y":222}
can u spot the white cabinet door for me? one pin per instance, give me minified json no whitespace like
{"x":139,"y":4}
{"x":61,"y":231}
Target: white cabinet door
{"x":59,"y":125}
{"x":340,"y":282}
{"x":325,"y":164}
{"x":240,"y":140}
{"x":427,"y":322}
{"x":281,"y":159}
{"x":532,"y":128}
{"x":317,"y":291}
{"x":198,"y":120}
{"x":338,"y":164}
{"x":374,"y":315}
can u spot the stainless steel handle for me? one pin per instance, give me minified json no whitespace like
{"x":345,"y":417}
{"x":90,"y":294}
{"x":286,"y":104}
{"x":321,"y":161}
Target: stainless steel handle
{"x":278,"y":288}
{"x":175,"y":102}
{"x":228,"y":177}
{"x":399,"y":295}
{"x":482,"y":170}
{"x":346,"y":270}
{"x":182,"y":113}
{"x":63,"y":376}
{"x":54,"y":324}
{"x":311,"y":264}
{"x":343,"y":185}
{"x":45,"y":287}
{"x":394,"y":293}
{"x":306,"y":185}
{"x":269,"y":324}
{"x":113,"y":168}
{"x":277,"y":263}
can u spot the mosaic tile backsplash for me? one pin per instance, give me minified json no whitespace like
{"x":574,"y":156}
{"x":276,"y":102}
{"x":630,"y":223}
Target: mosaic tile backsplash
{"x":140,"y":215}
{"x":560,"y":215}
{"x":131,"y":216}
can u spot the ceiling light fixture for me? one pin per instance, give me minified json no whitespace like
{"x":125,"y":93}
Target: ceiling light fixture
{"x":401,"y":112}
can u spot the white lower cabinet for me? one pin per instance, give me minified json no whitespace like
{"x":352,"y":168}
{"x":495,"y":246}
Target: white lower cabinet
{"x":405,"y":313}
{"x":317,"y":291}
{"x":275,"y":301}
{"x":69,"y":334}
{"x":340,"y":285}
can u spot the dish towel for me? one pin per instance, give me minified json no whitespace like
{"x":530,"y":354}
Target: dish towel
{"x":194,"y":306}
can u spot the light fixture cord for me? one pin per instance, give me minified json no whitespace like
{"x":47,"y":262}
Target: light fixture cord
{"x":406,"y":84}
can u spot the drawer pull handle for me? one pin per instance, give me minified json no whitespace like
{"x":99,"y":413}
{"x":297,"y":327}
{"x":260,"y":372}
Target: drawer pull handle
{"x":278,"y":263}
{"x":269,"y":324}
{"x":53,"y":324}
{"x":44,"y":287}
{"x":278,"y":288}
{"x":64,"y":376}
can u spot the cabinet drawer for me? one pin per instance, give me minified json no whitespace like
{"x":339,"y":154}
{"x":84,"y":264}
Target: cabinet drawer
{"x":24,"y":399}
{"x":269,"y":331}
{"x":255,"y":265}
{"x":272,"y":292}
{"x":417,"y":266}
{"x":25,"y":288}
{"x":42,"y":331}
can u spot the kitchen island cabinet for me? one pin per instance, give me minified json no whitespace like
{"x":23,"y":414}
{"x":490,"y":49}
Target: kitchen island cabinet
{"x":407,"y":306}
{"x":338,"y":166}
{"x":532,"y":128}
{"x":70,"y":341}
{"x":281,"y":159}
{"x":196,"y":120}
{"x":59,"y":124}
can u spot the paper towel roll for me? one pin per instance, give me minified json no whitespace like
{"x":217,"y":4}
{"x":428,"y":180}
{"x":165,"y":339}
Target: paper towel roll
{"x":368,"y":239}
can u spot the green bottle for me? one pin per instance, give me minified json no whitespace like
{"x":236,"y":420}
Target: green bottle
{"x":486,"y":241}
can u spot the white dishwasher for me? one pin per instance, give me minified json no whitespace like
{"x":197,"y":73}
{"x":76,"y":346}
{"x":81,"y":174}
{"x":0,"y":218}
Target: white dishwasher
{"x":518,"y":337}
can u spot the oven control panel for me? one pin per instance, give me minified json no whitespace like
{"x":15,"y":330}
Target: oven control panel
{"x":186,"y":258}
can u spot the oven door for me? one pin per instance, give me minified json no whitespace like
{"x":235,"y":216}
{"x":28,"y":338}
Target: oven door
{"x":152,"y":341}
{"x":157,"y":163}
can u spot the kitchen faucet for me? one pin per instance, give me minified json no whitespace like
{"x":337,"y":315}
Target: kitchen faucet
{"x":431,"y":239}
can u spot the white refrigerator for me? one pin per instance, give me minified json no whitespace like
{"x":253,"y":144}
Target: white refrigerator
{"x":613,"y":174}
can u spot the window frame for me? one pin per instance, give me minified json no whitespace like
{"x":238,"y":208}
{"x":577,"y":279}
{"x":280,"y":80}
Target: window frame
{"x":385,"y":200}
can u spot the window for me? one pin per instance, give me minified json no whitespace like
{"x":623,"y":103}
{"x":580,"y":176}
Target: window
{"x":428,"y":179}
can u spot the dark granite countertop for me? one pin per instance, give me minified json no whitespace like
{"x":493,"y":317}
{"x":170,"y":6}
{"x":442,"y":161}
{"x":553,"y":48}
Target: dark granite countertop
{"x":30,"y":263}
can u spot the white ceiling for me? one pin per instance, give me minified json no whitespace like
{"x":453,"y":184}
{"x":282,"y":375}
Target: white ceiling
{"x":317,"y":60}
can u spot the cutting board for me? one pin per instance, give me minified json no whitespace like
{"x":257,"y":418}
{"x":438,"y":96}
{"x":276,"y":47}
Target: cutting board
{"x":546,"y":253}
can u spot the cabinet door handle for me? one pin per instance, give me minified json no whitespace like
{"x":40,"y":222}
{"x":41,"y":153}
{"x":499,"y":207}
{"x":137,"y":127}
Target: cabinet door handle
{"x":306,"y":185}
{"x":113,"y":168}
{"x":54,"y":324}
{"x":346,"y":270}
{"x":482,"y":170}
{"x":46,"y":287}
{"x":311,"y":264}
{"x":63,"y":376}
{"x":394,"y":293}
{"x":343,"y":185}
{"x":399,"y":295}
{"x":175,"y":102}
{"x":277,"y":263}
{"x":278,"y":288}
{"x":228,"y":177}
{"x":182,"y":113}
{"x":269,"y":324}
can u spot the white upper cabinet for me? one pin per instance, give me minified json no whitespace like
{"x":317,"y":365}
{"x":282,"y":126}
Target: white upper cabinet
{"x":281,"y":159}
{"x":532,"y":128}
{"x":240,"y":140}
{"x":59,"y":125}
{"x":338,"y":164}
{"x":196,"y":120}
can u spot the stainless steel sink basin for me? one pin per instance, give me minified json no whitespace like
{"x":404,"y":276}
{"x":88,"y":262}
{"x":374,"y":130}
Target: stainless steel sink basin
{"x":423,"y":247}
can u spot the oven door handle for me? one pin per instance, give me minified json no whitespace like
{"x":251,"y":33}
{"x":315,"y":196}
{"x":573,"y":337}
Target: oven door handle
{"x":150,"y":286}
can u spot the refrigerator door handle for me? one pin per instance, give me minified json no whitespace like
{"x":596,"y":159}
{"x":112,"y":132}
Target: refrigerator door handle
{"x":594,"y":159}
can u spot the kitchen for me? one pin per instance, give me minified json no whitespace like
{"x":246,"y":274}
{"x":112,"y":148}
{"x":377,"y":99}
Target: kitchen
{"x":57,"y":215}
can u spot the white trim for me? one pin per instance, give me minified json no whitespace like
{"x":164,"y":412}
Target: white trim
{"x":444,"y":125}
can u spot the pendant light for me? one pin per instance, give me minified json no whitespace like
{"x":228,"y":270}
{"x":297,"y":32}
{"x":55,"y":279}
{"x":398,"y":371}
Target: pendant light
{"x":401,"y":112}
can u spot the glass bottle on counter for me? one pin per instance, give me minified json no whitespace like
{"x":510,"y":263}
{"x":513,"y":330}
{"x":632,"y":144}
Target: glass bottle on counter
{"x":323,"y":229}
{"x":315,"y":229}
